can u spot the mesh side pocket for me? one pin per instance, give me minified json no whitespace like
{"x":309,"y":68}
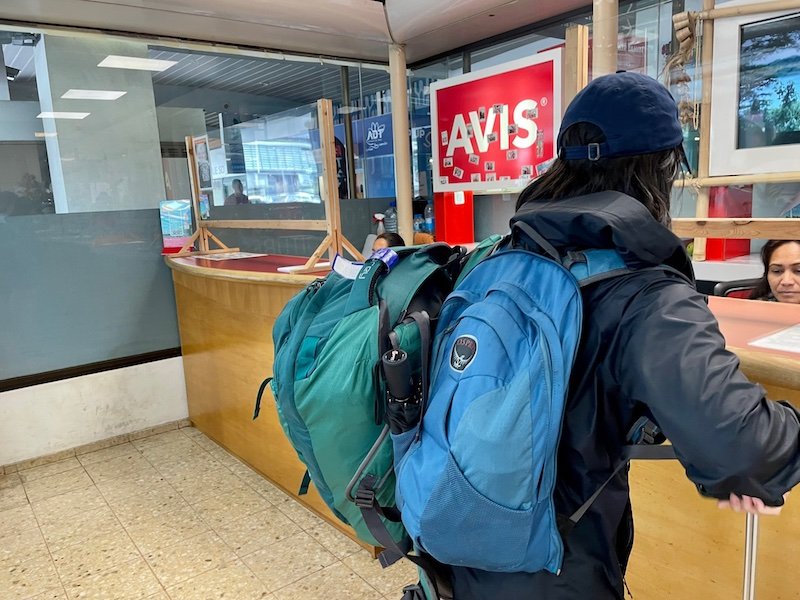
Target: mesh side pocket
{"x":460,"y":526}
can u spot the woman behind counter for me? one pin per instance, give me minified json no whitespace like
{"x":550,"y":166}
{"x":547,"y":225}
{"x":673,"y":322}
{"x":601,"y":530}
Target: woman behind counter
{"x":781,"y":279}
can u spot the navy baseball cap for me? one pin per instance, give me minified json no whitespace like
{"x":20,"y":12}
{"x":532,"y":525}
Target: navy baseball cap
{"x":636,"y":114}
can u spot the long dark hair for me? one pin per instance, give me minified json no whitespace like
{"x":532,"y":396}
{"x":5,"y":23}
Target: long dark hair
{"x":646,"y":177}
{"x":762,"y":290}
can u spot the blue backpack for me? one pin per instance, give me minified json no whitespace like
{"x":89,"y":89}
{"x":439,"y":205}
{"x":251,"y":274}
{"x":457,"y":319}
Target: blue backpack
{"x":475,"y":479}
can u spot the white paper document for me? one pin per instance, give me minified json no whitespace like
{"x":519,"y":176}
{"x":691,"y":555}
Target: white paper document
{"x":787,"y":340}
{"x":229,"y":255}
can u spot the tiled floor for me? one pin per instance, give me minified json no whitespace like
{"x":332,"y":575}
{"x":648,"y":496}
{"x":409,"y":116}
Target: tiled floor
{"x":173,"y":517}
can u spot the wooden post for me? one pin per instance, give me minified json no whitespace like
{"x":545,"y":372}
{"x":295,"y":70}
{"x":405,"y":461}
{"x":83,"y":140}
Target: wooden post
{"x":402,"y":150}
{"x":605,"y":22}
{"x":576,"y":63}
{"x":703,"y":194}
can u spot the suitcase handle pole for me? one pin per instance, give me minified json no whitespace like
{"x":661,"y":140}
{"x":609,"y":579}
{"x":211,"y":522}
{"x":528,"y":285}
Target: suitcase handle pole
{"x":750,"y":556}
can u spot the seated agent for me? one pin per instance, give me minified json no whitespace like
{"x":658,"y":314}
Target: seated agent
{"x":650,"y":346}
{"x":388,"y":239}
{"x":781,"y":279}
{"x":238,"y":196}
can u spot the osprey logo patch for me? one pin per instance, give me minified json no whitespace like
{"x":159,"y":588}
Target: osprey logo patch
{"x":464,"y":350}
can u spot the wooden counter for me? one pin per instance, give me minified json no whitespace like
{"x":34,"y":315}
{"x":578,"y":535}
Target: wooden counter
{"x":226,"y":311}
{"x":685,"y":546}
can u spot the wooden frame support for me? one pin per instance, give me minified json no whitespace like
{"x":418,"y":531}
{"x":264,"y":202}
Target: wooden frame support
{"x":738,"y":228}
{"x":576,"y":63}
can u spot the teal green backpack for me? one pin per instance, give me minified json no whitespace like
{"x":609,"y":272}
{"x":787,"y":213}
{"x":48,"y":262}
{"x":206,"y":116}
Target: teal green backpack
{"x":328,"y":383}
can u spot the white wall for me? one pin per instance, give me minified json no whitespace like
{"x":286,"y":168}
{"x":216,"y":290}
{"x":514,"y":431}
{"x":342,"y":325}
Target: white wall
{"x":48,"y":418}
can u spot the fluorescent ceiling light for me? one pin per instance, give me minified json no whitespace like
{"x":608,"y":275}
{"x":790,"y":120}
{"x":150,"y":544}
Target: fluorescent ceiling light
{"x":62,"y":115}
{"x":114,"y":61}
{"x":92,"y":95}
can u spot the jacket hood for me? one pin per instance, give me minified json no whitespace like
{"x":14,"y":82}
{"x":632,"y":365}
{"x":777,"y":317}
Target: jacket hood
{"x":607,"y":220}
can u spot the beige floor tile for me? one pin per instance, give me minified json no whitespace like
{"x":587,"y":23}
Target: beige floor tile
{"x":127,"y":581}
{"x":148,"y":506}
{"x":257,"y":531}
{"x":158,"y":439}
{"x":335,"y":582}
{"x":97,"y":553}
{"x":54,"y":485}
{"x":166,"y":531}
{"x":388,"y":582}
{"x":299,"y":513}
{"x":232,"y":581}
{"x":50,"y":469}
{"x":189,"y":558}
{"x":231,"y":506}
{"x":17,"y":519}
{"x":289,"y":560}
{"x":67,"y":504}
{"x":104,"y":454}
{"x":180,"y":448}
{"x":198,"y":486}
{"x":334,"y":540}
{"x":191,"y":432}
{"x":19,"y":547}
{"x":78,"y":528}
{"x":132,"y":484}
{"x":126,"y":466}
{"x":9,"y":480}
{"x":262,"y":485}
{"x":54,"y":594}
{"x":194,"y":463}
{"x":224,"y":458}
{"x":30,"y":578}
{"x":206,"y":443}
{"x":13,"y":497}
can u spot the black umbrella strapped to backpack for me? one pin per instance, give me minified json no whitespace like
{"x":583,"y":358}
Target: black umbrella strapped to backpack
{"x":404,"y":403}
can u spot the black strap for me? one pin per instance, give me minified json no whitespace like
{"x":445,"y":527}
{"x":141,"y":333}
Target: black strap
{"x":413,"y":592}
{"x":304,"y":484}
{"x":540,"y":241}
{"x":423,"y":322}
{"x":261,"y":389}
{"x":372,"y":514}
{"x":639,"y":451}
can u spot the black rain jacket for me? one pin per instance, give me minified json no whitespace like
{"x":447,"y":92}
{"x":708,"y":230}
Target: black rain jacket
{"x":650,"y":347}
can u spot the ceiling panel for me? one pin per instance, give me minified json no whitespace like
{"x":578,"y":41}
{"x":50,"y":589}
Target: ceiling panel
{"x":344,"y":28}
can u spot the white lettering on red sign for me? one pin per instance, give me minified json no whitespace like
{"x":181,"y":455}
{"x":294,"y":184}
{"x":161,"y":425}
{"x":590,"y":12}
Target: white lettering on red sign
{"x":525,"y":137}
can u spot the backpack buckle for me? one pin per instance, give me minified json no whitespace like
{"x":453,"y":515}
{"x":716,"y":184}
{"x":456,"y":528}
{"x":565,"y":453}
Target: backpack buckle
{"x":365,"y":495}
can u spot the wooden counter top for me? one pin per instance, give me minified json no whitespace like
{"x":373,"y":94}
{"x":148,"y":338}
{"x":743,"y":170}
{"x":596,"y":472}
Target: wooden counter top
{"x":744,"y":321}
{"x":254,"y":269}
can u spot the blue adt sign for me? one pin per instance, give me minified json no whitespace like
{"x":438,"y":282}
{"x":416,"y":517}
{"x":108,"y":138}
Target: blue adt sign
{"x":378,"y":136}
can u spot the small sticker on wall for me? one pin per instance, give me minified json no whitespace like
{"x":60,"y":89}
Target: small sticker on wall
{"x":448,"y":161}
{"x":542,"y":167}
{"x":444,"y":138}
{"x":470,"y":130}
{"x":511,"y":155}
{"x":531,"y":113}
{"x":482,"y":114}
{"x":474,"y":159}
{"x":458,"y":173}
{"x":444,"y":180}
{"x":492,"y":137}
{"x":505,"y":178}
{"x":512,"y":129}
{"x":489,"y":165}
{"x":498,"y":109}
{"x":527,"y":170}
{"x":491,"y":177}
{"x":475,"y":177}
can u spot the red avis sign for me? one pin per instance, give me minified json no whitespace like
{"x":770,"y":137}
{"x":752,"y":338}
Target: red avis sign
{"x":495,"y":129}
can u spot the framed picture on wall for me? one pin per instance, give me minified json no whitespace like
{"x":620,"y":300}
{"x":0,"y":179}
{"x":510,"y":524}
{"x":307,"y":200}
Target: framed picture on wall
{"x":756,"y":129}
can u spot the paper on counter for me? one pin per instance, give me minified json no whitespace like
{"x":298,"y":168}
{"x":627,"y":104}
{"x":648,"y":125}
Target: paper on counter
{"x":229,"y":255}
{"x":293,"y":268}
{"x":786,"y":340}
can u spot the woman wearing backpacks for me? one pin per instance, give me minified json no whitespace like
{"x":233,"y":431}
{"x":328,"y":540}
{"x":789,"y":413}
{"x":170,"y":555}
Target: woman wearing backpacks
{"x":650,"y":347}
